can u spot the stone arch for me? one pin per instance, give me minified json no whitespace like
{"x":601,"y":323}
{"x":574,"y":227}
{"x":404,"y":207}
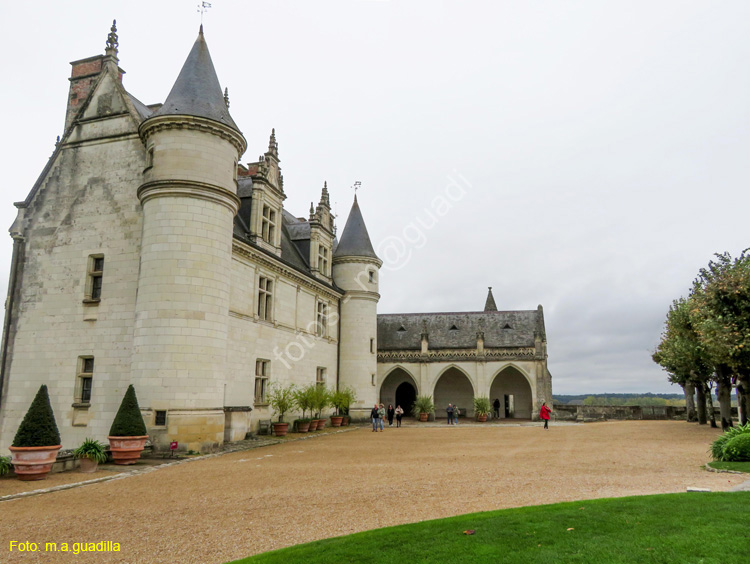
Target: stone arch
{"x":454,"y":385}
{"x":399,"y":387}
{"x":513,"y":387}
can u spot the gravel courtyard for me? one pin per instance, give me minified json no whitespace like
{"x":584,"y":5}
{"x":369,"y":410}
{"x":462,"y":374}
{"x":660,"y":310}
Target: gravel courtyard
{"x":223,"y":508}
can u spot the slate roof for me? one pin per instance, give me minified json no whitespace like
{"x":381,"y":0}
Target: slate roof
{"x":197,"y":91}
{"x":355,"y":242}
{"x":403,"y":331}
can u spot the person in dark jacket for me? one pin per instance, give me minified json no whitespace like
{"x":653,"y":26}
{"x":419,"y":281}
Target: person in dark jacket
{"x":391,"y":412}
{"x":496,"y":408}
{"x":544,"y":414}
{"x":449,"y":411}
{"x":375,"y":417}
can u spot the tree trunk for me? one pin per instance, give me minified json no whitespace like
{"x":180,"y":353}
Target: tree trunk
{"x":709,"y":397}
{"x":701,"y":393}
{"x":724,"y":392}
{"x":743,"y":397}
{"x":689,"y":390}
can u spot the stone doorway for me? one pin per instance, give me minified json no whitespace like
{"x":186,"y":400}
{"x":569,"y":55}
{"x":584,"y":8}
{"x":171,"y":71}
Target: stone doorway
{"x":454,"y":387}
{"x":514,"y":392}
{"x":399,"y":388}
{"x":406,"y":395}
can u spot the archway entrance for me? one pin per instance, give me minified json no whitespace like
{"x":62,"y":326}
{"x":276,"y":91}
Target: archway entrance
{"x":399,"y":388}
{"x":455,"y":388}
{"x":514,"y":393}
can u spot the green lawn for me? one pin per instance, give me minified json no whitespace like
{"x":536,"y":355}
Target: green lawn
{"x":705,"y":528}
{"x":736,"y":466}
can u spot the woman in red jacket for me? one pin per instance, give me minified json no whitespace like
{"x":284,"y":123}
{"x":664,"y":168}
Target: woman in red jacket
{"x":544,"y":414}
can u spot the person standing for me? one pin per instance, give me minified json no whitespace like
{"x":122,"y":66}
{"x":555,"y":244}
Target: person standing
{"x":449,"y":411}
{"x":399,"y":415}
{"x":544,"y":414}
{"x":381,"y":416}
{"x":391,"y":412}
{"x":456,"y":413}
{"x":496,"y":408}
{"x":374,"y":416}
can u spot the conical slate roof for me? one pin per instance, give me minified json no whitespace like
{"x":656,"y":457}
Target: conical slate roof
{"x":197,"y":91}
{"x":489,"y":305}
{"x":355,"y":242}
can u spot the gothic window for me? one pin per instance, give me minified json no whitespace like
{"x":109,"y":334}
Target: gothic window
{"x":84,"y":379}
{"x":265,"y":298}
{"x":323,"y":260}
{"x":261,"y":380}
{"x":322,"y":320}
{"x":268,"y":225}
{"x":94,"y":278}
{"x":320,"y":376}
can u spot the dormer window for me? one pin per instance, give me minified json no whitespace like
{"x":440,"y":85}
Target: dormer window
{"x":268,"y":225}
{"x":453,"y":328}
{"x":401,"y":329}
{"x":323,"y":260}
{"x":507,"y":326}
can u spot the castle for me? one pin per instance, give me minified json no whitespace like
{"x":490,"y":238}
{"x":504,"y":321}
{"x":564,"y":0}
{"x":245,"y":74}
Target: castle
{"x":146,"y":253}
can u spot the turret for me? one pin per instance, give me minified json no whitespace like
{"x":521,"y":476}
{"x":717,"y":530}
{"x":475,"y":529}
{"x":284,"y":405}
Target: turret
{"x":321,"y":236}
{"x":189,"y":199}
{"x":356,"y":270}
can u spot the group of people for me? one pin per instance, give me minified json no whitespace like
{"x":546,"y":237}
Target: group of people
{"x":379,"y":413}
{"x":453,"y":413}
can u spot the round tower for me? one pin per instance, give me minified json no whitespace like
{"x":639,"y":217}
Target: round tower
{"x":189,"y":199}
{"x":356,"y":270}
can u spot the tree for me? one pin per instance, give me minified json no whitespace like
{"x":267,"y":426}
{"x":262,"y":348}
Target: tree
{"x":684,"y":357}
{"x":721,"y":313}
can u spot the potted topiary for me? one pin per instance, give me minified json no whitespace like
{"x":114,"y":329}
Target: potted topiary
{"x":321,"y":400}
{"x":422,"y":407}
{"x":37,"y":440}
{"x":482,"y":408}
{"x":127,"y":436}
{"x":281,"y":398}
{"x":303,"y":399}
{"x":337,"y":400}
{"x":91,"y":453}
{"x":347,"y":398}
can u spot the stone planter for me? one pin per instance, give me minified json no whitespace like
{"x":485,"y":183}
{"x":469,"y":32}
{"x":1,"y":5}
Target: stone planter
{"x":127,"y":450}
{"x":33,"y":463}
{"x":280,"y":429}
{"x":303,"y":427}
{"x":336,"y":420}
{"x":321,"y":424}
{"x":88,"y":466}
{"x":423,"y":417}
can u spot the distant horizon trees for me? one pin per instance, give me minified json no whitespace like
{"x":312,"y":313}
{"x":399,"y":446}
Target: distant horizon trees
{"x":706,"y":340}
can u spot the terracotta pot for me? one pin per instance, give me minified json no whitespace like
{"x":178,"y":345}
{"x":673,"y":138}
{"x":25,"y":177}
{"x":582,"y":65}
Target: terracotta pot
{"x":33,"y":463}
{"x":423,"y":417}
{"x":88,"y":466}
{"x":303,"y":427}
{"x":336,"y":420}
{"x":280,"y":429}
{"x":345,"y":422}
{"x":127,"y":450}
{"x":321,"y":424}
{"x":482,"y":418}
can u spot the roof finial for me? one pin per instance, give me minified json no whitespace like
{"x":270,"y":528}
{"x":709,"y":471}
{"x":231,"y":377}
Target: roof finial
{"x":312,"y":210}
{"x":226,"y":97}
{"x":112,"y":43}
{"x":273,"y":146}
{"x":324,"y":199}
{"x":203,"y":8}
{"x":489,"y":305}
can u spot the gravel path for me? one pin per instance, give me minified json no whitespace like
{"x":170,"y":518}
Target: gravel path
{"x":228,"y":507}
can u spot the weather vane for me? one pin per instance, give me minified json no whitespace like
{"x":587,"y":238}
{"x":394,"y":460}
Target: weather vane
{"x":357,"y":186}
{"x":203,"y":8}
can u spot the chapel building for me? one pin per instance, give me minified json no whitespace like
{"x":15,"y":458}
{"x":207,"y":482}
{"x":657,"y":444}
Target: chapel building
{"x":146,"y":253}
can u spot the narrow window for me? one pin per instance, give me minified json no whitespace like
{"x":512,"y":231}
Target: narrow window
{"x":261,"y":380}
{"x":322,"y":320}
{"x":160,"y":419}
{"x":372,"y":346}
{"x":268,"y":225}
{"x":265,"y":298}
{"x":320,"y":376}
{"x":95,"y":277}
{"x":373,"y":379}
{"x":323,"y":260}
{"x":372,"y":277}
{"x":85,"y":379}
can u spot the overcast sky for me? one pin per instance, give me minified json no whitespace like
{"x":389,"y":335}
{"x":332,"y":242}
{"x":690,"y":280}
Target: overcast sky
{"x":587,"y":156}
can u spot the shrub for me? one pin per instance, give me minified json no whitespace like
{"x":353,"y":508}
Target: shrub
{"x":737,"y":448}
{"x":93,"y":450}
{"x":321,"y":399}
{"x":128,"y":421}
{"x":4,"y":465}
{"x":717,"y":447}
{"x":38,"y":427}
{"x":423,"y":404}
{"x":281,"y":398}
{"x":482,"y":405}
{"x":304,"y":397}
